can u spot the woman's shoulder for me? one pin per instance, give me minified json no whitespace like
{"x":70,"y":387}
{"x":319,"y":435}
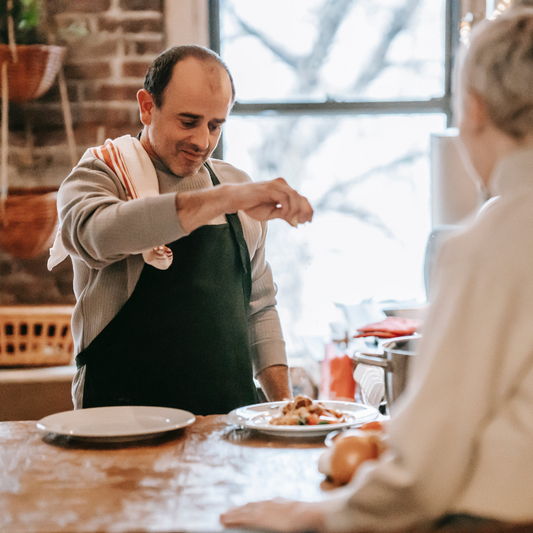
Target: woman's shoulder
{"x":501,"y":234}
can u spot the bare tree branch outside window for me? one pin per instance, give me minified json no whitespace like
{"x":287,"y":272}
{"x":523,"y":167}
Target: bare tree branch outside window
{"x":288,"y":143}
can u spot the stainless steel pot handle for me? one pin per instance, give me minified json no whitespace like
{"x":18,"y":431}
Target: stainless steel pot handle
{"x":371,"y":359}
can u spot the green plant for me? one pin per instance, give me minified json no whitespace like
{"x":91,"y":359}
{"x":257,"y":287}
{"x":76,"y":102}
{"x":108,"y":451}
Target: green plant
{"x":26,"y":19}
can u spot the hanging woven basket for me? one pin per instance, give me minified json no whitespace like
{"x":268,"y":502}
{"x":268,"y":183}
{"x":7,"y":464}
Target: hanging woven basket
{"x":34,"y":71}
{"x":28,"y":221}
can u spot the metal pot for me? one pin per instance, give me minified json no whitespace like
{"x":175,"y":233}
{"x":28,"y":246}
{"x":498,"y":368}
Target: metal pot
{"x":395,"y":360}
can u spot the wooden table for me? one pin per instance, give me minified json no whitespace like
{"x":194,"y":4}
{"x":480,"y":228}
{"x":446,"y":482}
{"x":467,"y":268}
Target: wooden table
{"x":180,"y":481}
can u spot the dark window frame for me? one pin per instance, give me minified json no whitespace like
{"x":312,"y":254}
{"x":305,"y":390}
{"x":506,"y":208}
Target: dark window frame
{"x":442,"y":104}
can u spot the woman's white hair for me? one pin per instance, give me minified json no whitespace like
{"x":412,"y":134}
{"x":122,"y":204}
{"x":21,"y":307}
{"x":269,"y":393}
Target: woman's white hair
{"x":498,"y":65}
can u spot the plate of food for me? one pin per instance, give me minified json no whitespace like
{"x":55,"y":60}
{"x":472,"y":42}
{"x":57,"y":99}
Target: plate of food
{"x":302,"y":417}
{"x":116,"y":424}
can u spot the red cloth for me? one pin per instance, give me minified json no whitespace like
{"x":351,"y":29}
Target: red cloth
{"x":392,"y":326}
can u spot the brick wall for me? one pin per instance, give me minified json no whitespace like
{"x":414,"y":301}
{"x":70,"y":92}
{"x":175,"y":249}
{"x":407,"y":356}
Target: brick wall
{"x":110,"y":44}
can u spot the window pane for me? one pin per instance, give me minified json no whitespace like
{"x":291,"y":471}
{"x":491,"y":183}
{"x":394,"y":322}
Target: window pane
{"x":345,"y":50}
{"x":367,"y":177}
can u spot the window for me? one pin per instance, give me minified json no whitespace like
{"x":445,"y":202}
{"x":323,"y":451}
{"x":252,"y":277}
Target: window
{"x":340,"y":98}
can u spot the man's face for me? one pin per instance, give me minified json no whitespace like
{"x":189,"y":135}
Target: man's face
{"x":185,"y":130}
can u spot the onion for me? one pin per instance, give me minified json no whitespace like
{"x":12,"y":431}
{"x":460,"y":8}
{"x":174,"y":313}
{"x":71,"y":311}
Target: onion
{"x":350,"y":449}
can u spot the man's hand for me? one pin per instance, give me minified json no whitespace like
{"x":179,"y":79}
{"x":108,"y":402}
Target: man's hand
{"x":262,"y":201}
{"x":272,"y":199}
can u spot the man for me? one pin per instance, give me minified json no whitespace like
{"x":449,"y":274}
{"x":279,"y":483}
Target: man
{"x":192,"y":335}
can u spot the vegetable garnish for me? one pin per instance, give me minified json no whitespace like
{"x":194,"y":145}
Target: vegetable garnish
{"x":303,"y":411}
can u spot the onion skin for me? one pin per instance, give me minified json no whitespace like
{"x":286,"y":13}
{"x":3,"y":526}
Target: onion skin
{"x":349,"y":451}
{"x":324,"y":462}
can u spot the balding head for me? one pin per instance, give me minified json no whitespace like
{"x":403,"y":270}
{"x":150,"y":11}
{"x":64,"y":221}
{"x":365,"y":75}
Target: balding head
{"x":163,"y":68}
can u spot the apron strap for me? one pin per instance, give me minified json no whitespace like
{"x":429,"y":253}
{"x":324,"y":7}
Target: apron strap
{"x":236,"y":226}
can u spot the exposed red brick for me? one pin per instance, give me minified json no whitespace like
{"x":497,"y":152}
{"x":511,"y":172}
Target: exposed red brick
{"x":121,"y":93}
{"x":141,"y":5}
{"x":108,"y":24}
{"x":105,"y":115}
{"x":28,"y":281}
{"x":87,"y":66}
{"x":131,"y":25}
{"x":78,"y":6}
{"x":54,"y":96}
{"x":90,"y":90}
{"x":131,"y":129}
{"x":46,"y":135}
{"x":145,"y":47}
{"x":85,"y":134}
{"x":17,"y":137}
{"x":44,"y":115}
{"x":148,"y":25}
{"x":135,"y":69}
{"x":80,"y":71}
{"x":92,"y":48}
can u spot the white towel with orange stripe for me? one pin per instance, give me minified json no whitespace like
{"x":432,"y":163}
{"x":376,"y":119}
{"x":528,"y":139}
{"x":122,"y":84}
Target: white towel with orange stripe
{"x":127,"y":158}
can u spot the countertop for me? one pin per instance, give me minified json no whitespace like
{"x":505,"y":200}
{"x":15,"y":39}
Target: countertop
{"x":180,"y":481}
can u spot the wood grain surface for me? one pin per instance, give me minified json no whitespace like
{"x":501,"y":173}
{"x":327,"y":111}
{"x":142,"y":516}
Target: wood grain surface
{"x":181,"y":481}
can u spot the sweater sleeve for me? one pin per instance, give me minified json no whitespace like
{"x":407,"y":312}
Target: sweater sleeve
{"x":266,"y":337}
{"x":437,"y":424}
{"x":99,"y":226}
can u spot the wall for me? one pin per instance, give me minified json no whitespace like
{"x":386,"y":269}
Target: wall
{"x":110,"y":44}
{"x":187,"y":22}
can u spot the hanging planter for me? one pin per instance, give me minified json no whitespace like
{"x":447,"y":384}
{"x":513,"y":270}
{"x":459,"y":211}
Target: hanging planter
{"x":29,"y":221}
{"x":28,"y":217}
{"x":33,"y":69}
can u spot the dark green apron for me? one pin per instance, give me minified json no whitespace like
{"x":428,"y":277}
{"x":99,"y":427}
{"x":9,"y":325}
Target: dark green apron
{"x":181,"y":340}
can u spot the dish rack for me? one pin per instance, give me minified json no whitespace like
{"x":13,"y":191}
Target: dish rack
{"x":35,"y":336}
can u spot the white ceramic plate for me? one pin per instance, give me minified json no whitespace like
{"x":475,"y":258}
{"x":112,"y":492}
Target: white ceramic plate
{"x":116,"y":424}
{"x":258,"y":417}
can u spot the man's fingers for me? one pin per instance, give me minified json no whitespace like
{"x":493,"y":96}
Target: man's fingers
{"x":292,"y":206}
{"x":275,"y":199}
{"x":300,"y":212}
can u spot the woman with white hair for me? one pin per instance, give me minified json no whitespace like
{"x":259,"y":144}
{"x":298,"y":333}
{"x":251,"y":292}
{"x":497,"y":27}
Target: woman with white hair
{"x":461,"y":435}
